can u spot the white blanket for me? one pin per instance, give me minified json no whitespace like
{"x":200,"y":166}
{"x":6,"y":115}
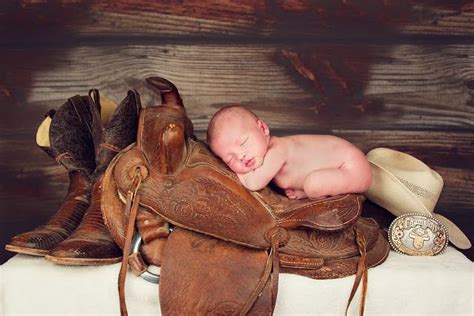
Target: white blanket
{"x":403,"y":285}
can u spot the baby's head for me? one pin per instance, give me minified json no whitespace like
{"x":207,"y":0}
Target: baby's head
{"x":239,"y":138}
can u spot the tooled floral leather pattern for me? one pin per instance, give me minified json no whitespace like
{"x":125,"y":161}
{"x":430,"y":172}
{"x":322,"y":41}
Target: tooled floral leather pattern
{"x":329,"y":245}
{"x":196,"y":199}
{"x":215,"y":277}
{"x":345,"y":266}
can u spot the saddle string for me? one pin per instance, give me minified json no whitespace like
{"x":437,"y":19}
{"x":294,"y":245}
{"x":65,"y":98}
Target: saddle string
{"x":110,"y":147}
{"x":131,"y":208}
{"x":361,"y":274}
{"x":363,"y":247}
{"x":272,"y":270}
{"x":260,"y":286}
{"x":276,"y":268}
{"x":64,"y":155}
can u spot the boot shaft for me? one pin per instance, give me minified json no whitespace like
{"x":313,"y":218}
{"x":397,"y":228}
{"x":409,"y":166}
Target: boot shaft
{"x":71,"y":134}
{"x":118,"y":132}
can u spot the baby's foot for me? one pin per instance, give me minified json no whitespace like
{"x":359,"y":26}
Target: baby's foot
{"x":295,"y":194}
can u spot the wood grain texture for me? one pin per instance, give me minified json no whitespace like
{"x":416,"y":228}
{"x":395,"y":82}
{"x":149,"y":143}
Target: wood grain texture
{"x":407,"y":87}
{"x":265,"y":19}
{"x":436,"y":148}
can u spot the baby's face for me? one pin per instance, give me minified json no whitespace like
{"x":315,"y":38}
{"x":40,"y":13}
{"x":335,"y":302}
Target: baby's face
{"x":242,"y":144}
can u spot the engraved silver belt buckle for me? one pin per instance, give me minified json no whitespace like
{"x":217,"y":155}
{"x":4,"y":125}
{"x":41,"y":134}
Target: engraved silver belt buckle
{"x":417,"y":234}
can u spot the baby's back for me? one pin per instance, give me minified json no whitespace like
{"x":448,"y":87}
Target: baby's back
{"x":306,"y":153}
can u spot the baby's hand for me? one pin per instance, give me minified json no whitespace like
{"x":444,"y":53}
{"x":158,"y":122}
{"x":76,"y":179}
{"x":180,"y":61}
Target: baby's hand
{"x":245,"y":179}
{"x":295,"y":194}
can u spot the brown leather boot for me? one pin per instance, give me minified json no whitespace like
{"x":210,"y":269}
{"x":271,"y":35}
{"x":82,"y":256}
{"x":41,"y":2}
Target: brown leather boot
{"x":91,"y":243}
{"x":65,"y":135}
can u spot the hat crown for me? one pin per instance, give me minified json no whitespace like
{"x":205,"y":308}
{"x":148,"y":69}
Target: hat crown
{"x":425,"y":183}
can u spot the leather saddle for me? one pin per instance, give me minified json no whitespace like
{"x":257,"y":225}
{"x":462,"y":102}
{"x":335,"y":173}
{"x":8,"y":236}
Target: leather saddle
{"x":227,"y":245}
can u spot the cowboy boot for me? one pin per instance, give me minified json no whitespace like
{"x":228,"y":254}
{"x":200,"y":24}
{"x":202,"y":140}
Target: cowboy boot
{"x":91,"y":243}
{"x":66,"y":136}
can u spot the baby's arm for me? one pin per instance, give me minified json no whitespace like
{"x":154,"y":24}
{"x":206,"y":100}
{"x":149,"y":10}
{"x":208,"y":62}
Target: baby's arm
{"x":258,"y":178}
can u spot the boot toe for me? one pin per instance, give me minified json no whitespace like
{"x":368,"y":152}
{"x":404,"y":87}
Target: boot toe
{"x":37,"y":242}
{"x":85,"y":252}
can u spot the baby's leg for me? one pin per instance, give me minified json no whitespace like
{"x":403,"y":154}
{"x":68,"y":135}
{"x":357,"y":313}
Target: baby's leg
{"x":327,"y":182}
{"x":295,"y":194}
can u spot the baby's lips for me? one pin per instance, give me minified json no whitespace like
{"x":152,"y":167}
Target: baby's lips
{"x":249,"y":162}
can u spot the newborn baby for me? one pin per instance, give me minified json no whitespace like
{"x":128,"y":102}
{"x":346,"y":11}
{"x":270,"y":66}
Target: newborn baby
{"x":311,"y":166}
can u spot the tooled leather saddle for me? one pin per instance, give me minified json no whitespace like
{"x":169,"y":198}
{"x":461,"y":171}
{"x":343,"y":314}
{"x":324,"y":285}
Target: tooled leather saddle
{"x":228,"y":244}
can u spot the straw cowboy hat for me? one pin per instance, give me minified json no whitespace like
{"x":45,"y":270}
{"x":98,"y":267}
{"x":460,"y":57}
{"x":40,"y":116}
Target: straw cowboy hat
{"x":403,"y":184}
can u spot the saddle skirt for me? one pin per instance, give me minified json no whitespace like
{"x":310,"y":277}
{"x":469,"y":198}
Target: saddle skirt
{"x":229,"y":243}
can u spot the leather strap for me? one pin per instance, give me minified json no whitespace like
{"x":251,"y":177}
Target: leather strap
{"x":137,"y":264}
{"x":260,"y":286}
{"x":361,"y":273}
{"x":276,"y":270}
{"x":110,"y":147}
{"x":272,"y":271}
{"x":131,"y":208}
{"x":363,"y":247}
{"x":64,"y":155}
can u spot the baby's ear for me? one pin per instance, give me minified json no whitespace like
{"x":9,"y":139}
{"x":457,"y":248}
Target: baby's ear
{"x":263,"y":126}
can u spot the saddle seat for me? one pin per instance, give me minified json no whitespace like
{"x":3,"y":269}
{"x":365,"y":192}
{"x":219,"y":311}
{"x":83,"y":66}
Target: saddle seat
{"x":229,"y":243}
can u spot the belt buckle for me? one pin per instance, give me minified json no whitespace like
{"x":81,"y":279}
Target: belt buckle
{"x":417,"y":234}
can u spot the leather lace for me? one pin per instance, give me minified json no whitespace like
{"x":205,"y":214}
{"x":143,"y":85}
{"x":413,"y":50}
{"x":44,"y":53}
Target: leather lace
{"x":131,"y":208}
{"x":272,"y":270}
{"x":361,"y":274}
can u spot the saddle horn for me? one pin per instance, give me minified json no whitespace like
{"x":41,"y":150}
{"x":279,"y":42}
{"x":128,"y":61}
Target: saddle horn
{"x":164,"y":130}
{"x":169,"y":93}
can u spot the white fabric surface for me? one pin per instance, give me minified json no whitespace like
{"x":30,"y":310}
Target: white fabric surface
{"x":403,"y":285}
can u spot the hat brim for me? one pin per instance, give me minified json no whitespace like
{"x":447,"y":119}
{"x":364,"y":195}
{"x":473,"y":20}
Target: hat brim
{"x":456,"y":236}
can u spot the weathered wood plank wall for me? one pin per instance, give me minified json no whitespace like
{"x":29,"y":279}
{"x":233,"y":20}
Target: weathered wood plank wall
{"x":380,"y":73}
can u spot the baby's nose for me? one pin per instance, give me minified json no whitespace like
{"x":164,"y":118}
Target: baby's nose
{"x":243,"y":156}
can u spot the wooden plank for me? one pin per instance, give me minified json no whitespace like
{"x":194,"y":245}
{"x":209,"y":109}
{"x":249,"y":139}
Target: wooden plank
{"x":235,"y":19}
{"x":31,"y":190}
{"x":436,"y":148}
{"x":448,"y":17}
{"x":379,"y":87}
{"x":458,"y":189}
{"x":27,"y":208}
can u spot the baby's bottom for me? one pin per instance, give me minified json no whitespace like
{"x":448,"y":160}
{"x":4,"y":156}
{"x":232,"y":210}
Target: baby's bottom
{"x":328,"y":182}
